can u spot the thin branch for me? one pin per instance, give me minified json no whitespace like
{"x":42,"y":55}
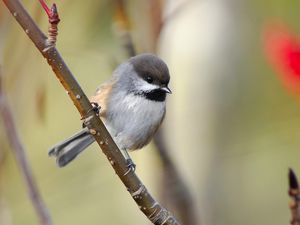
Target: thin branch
{"x":147,"y":204}
{"x":22,"y":161}
{"x":294,"y":193}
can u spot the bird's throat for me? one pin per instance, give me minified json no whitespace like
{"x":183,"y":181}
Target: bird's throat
{"x":156,"y":95}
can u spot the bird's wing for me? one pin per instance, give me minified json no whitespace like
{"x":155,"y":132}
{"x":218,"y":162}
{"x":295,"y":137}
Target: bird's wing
{"x":101,"y":96}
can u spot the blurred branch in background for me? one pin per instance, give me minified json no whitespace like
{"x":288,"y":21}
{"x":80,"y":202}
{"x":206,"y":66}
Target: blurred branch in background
{"x":147,"y":204}
{"x":294,"y":193}
{"x":175,"y":193}
{"x":175,"y":12}
{"x":21,"y":159}
{"x":174,"y":190}
{"x":122,"y":26}
{"x":5,"y":213}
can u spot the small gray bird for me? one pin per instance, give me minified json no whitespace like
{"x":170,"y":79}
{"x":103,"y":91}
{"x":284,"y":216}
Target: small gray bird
{"x":133,"y":105}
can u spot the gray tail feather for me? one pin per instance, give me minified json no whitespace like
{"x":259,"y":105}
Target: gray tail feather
{"x":67,"y":150}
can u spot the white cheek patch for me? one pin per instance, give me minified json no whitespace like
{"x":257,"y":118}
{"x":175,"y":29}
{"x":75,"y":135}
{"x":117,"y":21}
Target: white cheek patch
{"x":144,"y":86}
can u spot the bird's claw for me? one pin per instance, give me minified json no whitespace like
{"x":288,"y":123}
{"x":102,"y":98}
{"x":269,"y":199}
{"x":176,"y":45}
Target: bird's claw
{"x":130,"y":165}
{"x":96,"y":107}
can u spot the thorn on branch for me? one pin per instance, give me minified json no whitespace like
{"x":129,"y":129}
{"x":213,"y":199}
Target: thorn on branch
{"x":294,"y":194}
{"x":53,"y":19}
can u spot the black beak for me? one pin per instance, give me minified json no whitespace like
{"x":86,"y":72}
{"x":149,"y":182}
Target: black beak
{"x":167,"y":90}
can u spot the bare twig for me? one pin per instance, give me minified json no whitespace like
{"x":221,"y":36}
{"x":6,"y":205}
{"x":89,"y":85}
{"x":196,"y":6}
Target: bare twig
{"x":21,"y":159}
{"x":294,"y":193}
{"x":147,"y":204}
{"x":178,"y":193}
{"x":53,"y":19}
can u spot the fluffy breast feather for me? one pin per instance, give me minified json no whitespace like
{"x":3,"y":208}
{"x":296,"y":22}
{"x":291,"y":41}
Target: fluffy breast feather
{"x":133,"y":119}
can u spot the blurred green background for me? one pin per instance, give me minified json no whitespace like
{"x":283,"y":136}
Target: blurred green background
{"x":231,"y":127}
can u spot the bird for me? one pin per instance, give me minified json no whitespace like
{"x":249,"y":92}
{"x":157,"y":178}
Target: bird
{"x":132,"y":106}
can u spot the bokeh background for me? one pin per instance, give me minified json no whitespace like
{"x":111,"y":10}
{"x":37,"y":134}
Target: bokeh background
{"x":232,"y":125}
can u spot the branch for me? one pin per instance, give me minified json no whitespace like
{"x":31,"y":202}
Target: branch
{"x":21,"y":159}
{"x":147,"y":204}
{"x":294,"y":193}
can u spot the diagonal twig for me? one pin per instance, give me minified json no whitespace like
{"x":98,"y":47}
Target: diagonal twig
{"x":147,"y":204}
{"x":21,"y":159}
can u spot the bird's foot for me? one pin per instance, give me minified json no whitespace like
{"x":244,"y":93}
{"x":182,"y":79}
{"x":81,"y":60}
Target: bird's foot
{"x":130,"y":165}
{"x":96,"y":107}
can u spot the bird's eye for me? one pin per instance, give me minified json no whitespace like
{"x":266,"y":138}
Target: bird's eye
{"x":149,"y":79}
